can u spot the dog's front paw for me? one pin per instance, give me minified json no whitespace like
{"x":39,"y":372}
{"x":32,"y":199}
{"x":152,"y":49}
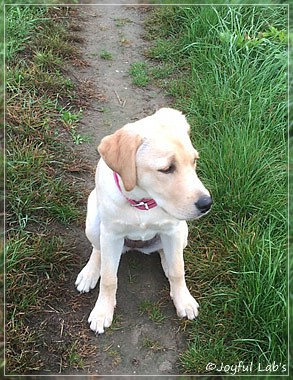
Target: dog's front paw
{"x":186,"y":305}
{"x":87,"y":279}
{"x":100,"y":317}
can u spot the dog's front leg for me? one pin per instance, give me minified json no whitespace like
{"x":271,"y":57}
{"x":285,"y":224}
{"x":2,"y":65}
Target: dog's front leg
{"x":185,"y":304}
{"x":102,"y":314}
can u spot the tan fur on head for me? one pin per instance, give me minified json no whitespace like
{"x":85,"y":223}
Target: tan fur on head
{"x":119,"y":152}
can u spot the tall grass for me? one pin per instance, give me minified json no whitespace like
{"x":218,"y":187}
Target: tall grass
{"x":226,"y":69}
{"x":21,"y":22}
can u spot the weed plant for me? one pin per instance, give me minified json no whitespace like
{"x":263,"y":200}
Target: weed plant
{"x":225,"y":67}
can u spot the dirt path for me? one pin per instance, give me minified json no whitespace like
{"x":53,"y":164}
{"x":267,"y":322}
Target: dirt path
{"x":117,"y":30}
{"x":136,"y":344}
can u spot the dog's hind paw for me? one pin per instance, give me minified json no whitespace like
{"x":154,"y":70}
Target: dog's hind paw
{"x":87,"y":279}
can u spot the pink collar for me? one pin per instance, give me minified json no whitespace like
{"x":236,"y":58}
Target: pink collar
{"x":143,"y":204}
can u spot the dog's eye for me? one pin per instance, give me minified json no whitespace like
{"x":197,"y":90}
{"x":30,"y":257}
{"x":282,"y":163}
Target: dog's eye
{"x":170,"y":169}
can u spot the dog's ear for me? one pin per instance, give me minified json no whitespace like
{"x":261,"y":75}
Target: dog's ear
{"x":119,"y":151}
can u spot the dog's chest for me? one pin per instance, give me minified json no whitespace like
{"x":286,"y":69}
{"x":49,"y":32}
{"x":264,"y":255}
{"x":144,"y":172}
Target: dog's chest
{"x":143,"y":238}
{"x":143,"y":227}
{"x":143,"y":231}
{"x":140,"y":228}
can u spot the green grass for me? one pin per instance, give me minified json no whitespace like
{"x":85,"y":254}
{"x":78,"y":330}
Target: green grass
{"x":21,"y":22}
{"x":42,"y":199}
{"x":153,"y":311}
{"x":139,"y":73}
{"x":225,"y":67}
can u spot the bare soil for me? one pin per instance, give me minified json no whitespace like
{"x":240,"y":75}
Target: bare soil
{"x":136,"y":344}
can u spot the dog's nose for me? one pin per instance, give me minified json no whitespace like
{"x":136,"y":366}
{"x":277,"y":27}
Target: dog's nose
{"x":204,"y":203}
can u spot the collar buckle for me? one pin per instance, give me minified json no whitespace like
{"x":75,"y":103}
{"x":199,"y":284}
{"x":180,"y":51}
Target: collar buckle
{"x":140,"y":204}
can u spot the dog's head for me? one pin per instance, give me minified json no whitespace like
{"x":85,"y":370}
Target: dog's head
{"x":156,"y":155}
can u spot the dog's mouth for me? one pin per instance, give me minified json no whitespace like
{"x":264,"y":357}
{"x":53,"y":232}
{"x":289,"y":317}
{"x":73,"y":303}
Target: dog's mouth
{"x":139,"y":244}
{"x":193,"y":212}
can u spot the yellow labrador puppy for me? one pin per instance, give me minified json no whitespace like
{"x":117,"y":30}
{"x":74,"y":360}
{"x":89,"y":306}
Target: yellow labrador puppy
{"x":146,"y":189}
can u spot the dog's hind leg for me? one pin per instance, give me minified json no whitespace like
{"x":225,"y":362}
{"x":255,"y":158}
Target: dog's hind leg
{"x":90,"y":274}
{"x":164,"y":262}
